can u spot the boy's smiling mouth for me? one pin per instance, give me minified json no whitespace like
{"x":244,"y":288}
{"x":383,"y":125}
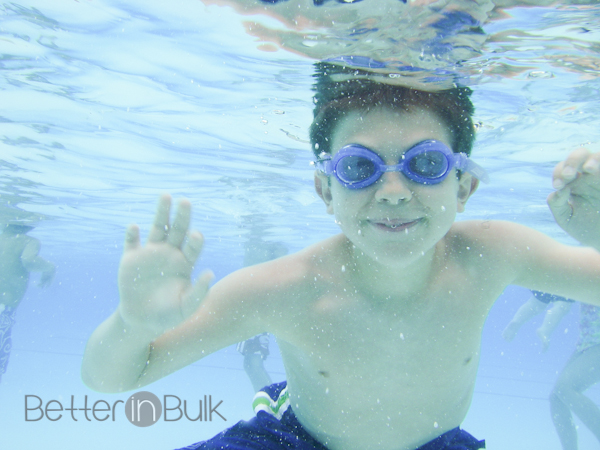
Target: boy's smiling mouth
{"x":393,"y":225}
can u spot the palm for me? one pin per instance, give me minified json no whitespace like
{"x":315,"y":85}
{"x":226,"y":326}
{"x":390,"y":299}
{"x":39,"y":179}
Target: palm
{"x":576,"y":206}
{"x":585,"y":200}
{"x":154,"y":280}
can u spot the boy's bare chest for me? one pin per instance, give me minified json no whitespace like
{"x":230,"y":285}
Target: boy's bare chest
{"x":347,"y":331}
{"x":406,"y":364}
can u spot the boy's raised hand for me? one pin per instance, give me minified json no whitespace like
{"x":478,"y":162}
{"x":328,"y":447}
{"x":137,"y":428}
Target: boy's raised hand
{"x":154,"y":280}
{"x":576,"y":202}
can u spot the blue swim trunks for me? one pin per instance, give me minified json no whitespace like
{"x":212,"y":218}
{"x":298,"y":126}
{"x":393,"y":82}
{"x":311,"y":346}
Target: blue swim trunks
{"x":546,"y":298}
{"x":275,"y":427}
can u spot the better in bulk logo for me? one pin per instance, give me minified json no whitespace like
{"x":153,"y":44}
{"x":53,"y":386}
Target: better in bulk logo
{"x":142,"y":409}
{"x":142,"y":416}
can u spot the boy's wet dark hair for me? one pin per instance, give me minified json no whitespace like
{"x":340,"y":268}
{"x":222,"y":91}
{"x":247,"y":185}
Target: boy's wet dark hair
{"x":334,"y":99}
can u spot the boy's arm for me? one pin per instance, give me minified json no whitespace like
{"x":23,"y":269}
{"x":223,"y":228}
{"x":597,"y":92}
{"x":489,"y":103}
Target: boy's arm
{"x":536,"y":261}
{"x":155,"y":290}
{"x":542,"y":263}
{"x":162,"y":322}
{"x":116,"y":356}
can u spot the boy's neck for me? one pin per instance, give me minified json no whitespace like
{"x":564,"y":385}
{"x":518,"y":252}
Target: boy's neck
{"x":383,"y":280}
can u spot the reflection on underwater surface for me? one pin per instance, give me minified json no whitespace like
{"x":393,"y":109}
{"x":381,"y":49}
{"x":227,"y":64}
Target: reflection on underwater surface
{"x":121,"y":99}
{"x":110,"y":104}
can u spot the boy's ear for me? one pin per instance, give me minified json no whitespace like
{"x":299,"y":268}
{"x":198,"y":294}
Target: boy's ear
{"x":467,"y":185}
{"x":324,"y":190}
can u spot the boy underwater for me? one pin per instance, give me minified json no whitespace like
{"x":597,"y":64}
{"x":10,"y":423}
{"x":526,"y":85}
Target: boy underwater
{"x":380,"y":326}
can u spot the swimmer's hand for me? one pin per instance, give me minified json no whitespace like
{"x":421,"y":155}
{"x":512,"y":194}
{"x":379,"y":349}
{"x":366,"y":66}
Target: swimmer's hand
{"x":155,"y":279}
{"x":47,"y":276}
{"x":576,"y":201}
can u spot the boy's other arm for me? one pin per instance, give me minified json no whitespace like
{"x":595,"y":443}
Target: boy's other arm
{"x":529,"y":258}
{"x":163,"y":322}
{"x":116,"y":356}
{"x":121,"y":355}
{"x":156,"y":295}
{"x":546,"y":265}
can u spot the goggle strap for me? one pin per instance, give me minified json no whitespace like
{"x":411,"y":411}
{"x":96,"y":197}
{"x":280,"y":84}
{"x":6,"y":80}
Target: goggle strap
{"x":477,"y":171}
{"x":324,"y":165}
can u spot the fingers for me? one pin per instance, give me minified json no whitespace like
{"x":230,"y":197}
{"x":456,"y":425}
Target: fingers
{"x":45,"y":280}
{"x":193,"y":247}
{"x":559,"y":204}
{"x":160,"y":227}
{"x":162,"y":231}
{"x":132,"y":237}
{"x":592,"y":164}
{"x":579,"y":161}
{"x":178,"y":231}
{"x":174,"y":235}
{"x":196,"y":294}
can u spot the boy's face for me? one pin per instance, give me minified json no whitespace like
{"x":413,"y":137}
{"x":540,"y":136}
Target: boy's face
{"x":395,"y":220}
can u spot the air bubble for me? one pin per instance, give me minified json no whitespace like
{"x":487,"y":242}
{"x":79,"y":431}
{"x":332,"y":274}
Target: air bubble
{"x":540,"y":74}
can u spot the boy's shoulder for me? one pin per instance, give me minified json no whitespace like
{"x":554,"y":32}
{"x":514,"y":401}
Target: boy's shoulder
{"x":317,"y":261}
{"x":296,"y":268}
{"x":291,"y":282}
{"x":498,"y":242}
{"x":491,"y":229}
{"x":488,"y":231}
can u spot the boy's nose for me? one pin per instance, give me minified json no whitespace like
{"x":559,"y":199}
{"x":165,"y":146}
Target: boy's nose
{"x":393,"y":188}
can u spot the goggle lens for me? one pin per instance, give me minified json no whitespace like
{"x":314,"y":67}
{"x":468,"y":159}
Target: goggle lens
{"x":432,"y":164}
{"x":353,"y":169}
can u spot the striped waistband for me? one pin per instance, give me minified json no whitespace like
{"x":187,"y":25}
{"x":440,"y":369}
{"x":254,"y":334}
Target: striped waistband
{"x":263,"y":401}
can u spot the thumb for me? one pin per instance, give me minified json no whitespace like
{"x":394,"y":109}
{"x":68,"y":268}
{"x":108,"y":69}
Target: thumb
{"x":194,"y":296}
{"x":560,"y":206}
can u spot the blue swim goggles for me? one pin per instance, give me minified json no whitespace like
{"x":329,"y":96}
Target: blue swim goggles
{"x":428,"y":162}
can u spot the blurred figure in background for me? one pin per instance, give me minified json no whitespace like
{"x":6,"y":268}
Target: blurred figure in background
{"x":581,"y":372}
{"x":256,"y":349}
{"x":538,"y":303}
{"x":18,"y":257}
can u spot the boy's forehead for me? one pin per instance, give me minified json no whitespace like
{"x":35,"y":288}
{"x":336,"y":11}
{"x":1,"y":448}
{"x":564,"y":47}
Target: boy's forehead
{"x":382,"y":124}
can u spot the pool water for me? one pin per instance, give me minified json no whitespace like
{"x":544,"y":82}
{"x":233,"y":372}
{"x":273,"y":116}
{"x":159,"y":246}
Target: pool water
{"x":107,"y":104}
